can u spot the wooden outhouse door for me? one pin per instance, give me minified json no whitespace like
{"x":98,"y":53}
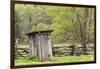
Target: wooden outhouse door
{"x":46,"y":50}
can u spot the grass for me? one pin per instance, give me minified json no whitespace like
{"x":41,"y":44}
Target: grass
{"x":63,"y":59}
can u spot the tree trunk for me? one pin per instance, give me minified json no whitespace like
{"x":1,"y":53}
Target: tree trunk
{"x":84,"y":49}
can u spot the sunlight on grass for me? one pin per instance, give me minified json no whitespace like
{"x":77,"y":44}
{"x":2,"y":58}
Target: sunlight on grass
{"x":63,"y":59}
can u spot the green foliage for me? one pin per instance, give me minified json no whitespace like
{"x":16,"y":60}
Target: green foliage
{"x":41,"y":26}
{"x":67,"y":22}
{"x":33,"y":58}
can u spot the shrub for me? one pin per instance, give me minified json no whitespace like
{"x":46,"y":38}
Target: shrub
{"x":33,"y":58}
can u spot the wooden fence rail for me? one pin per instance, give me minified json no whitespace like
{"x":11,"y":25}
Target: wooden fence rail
{"x":71,"y":51}
{"x":21,"y":52}
{"x":57,"y":51}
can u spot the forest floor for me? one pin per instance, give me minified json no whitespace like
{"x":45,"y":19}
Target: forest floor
{"x":62,"y":59}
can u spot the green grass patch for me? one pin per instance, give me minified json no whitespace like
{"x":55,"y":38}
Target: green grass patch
{"x":62,"y":59}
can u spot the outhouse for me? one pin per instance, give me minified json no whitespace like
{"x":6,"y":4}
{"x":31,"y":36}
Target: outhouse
{"x":40,"y":44}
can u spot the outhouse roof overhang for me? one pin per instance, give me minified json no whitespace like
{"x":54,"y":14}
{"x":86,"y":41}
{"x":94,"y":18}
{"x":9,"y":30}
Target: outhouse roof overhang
{"x":37,"y":32}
